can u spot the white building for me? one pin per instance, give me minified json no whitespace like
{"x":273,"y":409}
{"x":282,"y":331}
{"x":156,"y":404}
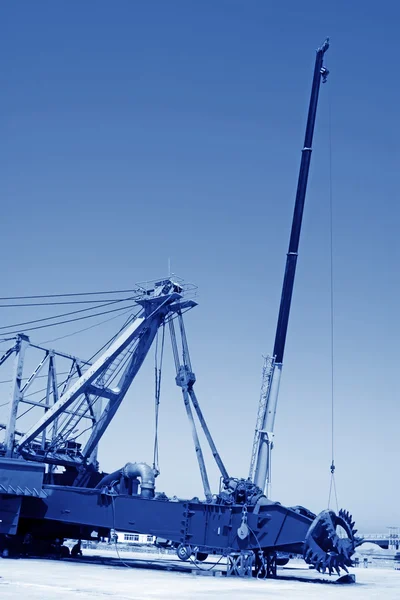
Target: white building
{"x":126,"y":537}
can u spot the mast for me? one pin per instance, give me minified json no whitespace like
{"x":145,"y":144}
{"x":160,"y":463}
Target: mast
{"x":264,"y":434}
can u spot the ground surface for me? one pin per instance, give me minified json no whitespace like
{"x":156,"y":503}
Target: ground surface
{"x":38,"y":579}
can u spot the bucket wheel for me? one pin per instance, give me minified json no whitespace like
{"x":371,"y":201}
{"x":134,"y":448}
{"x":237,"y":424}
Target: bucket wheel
{"x":331,"y":542}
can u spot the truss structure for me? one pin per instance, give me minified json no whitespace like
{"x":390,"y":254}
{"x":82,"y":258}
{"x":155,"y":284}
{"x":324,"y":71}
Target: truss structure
{"x":77,"y":411}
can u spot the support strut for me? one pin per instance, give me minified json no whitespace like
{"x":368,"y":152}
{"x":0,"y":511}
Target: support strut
{"x":185,"y":379}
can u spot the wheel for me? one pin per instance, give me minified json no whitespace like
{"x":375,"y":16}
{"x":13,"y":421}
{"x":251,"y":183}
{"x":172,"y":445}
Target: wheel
{"x":64,"y":552}
{"x":184,"y":552}
{"x":201,"y":556}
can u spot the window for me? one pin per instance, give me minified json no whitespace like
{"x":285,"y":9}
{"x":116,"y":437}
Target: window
{"x":150,"y":538}
{"x":131,"y":537}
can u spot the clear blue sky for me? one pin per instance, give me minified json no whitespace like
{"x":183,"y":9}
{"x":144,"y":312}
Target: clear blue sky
{"x":137,"y":131}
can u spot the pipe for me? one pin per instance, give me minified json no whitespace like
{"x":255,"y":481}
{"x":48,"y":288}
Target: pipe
{"x":146,"y":474}
{"x":107,"y":479}
{"x":131,"y":471}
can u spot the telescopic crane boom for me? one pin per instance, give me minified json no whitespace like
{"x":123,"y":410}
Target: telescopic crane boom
{"x":260,"y":469}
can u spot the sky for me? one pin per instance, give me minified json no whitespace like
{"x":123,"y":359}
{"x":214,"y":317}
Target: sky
{"x":137,"y":133}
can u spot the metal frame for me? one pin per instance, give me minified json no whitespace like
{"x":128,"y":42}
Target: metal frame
{"x":53,"y":438}
{"x":240,"y":564}
{"x":21,"y":384}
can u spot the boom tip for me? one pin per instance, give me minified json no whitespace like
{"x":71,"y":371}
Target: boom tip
{"x":324,"y":46}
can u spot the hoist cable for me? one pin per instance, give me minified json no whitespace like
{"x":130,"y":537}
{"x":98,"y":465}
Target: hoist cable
{"x":332,"y":486}
{"x":65,"y":302}
{"x":87,"y":329}
{"x":157,"y":373}
{"x":67,"y":314}
{"x":114,"y":337}
{"x":104,"y":312}
{"x":69,"y":295}
{"x":36,"y":377}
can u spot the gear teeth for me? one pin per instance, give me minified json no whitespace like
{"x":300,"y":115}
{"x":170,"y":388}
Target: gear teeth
{"x":345,"y":515}
{"x":308,"y":554}
{"x":328,"y":551}
{"x":328,"y":526}
{"x":330,"y":564}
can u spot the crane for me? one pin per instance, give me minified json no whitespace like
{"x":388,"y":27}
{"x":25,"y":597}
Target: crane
{"x":51,"y":484}
{"x":260,"y":464}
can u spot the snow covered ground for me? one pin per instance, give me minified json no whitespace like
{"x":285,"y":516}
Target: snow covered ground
{"x":38,"y":579}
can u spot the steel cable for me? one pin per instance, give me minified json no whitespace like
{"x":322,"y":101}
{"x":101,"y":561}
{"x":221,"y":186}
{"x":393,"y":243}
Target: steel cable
{"x":332,"y":486}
